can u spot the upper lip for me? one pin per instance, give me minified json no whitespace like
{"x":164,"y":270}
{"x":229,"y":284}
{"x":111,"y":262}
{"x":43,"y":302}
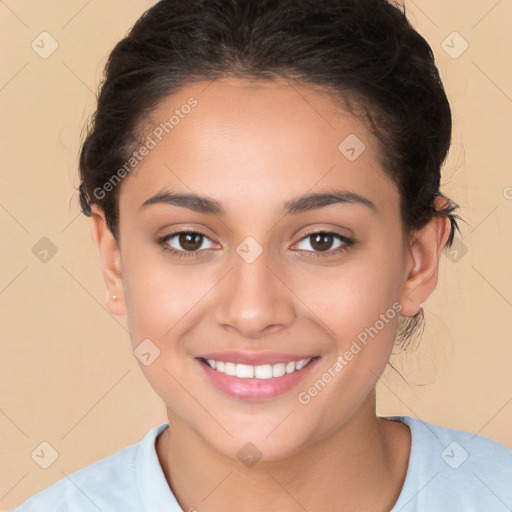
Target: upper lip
{"x":255,"y":358}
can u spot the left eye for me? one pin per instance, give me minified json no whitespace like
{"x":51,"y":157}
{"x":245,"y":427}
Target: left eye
{"x":323,"y":241}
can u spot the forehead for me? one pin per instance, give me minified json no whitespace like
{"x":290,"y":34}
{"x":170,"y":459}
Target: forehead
{"x":235,"y":138}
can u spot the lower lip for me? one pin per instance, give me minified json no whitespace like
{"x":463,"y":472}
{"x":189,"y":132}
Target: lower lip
{"x":256,"y":390}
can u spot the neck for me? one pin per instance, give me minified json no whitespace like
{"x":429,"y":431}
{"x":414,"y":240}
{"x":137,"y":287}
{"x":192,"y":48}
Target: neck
{"x":361,"y":466}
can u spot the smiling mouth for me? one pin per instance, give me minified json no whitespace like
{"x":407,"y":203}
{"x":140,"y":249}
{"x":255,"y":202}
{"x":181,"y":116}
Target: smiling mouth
{"x":263,"y":372}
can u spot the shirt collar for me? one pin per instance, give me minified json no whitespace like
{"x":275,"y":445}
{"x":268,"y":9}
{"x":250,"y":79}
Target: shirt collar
{"x":153,"y":487}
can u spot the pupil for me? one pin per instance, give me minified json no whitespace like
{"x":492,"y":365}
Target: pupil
{"x":320,"y":243}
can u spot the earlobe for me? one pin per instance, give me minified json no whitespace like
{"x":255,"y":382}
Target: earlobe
{"x":423,"y":256}
{"x":110,"y":261}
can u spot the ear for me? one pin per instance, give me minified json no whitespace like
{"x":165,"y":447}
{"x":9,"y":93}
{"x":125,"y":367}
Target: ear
{"x":110,"y":261}
{"x":423,"y":256}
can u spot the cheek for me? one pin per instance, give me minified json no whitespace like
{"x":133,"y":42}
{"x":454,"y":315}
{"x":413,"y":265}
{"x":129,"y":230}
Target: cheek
{"x":358,"y":304}
{"x":351,"y":297}
{"x":159,"y":294}
{"x":362,"y":315}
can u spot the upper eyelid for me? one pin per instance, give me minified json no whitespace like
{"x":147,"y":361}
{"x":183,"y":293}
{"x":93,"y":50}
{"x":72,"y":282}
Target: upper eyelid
{"x":325,"y":231}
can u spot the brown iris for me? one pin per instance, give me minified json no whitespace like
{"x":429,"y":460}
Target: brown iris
{"x":321,"y":241}
{"x":190,"y":241}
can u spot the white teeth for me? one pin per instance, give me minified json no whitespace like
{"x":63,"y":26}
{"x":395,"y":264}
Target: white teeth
{"x":278,"y":370}
{"x":230,"y":369}
{"x":301,"y":364}
{"x":244,"y":371}
{"x":290,"y":367}
{"x":264,"y":371}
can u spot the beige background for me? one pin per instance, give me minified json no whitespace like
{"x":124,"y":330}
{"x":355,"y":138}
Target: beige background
{"x":67,"y":374}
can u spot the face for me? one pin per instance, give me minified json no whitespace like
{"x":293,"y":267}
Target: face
{"x":267,"y":316}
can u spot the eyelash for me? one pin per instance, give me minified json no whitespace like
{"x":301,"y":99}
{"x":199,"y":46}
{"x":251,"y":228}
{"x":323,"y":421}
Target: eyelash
{"x":347,"y":243}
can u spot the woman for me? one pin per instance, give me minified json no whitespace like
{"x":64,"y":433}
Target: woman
{"x":263,"y":184}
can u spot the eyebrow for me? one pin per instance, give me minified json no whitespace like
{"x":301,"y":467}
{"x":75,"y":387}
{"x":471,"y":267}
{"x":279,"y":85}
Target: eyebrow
{"x":300,"y":204}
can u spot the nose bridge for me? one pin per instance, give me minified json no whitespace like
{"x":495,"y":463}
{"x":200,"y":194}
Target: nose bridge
{"x":253,"y":297}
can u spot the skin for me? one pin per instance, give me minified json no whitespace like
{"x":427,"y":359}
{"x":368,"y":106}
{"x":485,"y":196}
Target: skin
{"x":252,"y":146}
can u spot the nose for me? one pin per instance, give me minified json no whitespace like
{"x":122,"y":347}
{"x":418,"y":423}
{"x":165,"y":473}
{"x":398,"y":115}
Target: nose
{"x":254,"y":300}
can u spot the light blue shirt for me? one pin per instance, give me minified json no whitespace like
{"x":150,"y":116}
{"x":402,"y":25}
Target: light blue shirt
{"x":449,"y":471}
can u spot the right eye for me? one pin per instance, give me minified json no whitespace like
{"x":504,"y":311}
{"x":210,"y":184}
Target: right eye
{"x":191,"y":243}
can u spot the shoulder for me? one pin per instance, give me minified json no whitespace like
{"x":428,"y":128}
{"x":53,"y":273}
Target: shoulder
{"x":459,"y":449}
{"x":109,"y":484}
{"x":454,"y":470}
